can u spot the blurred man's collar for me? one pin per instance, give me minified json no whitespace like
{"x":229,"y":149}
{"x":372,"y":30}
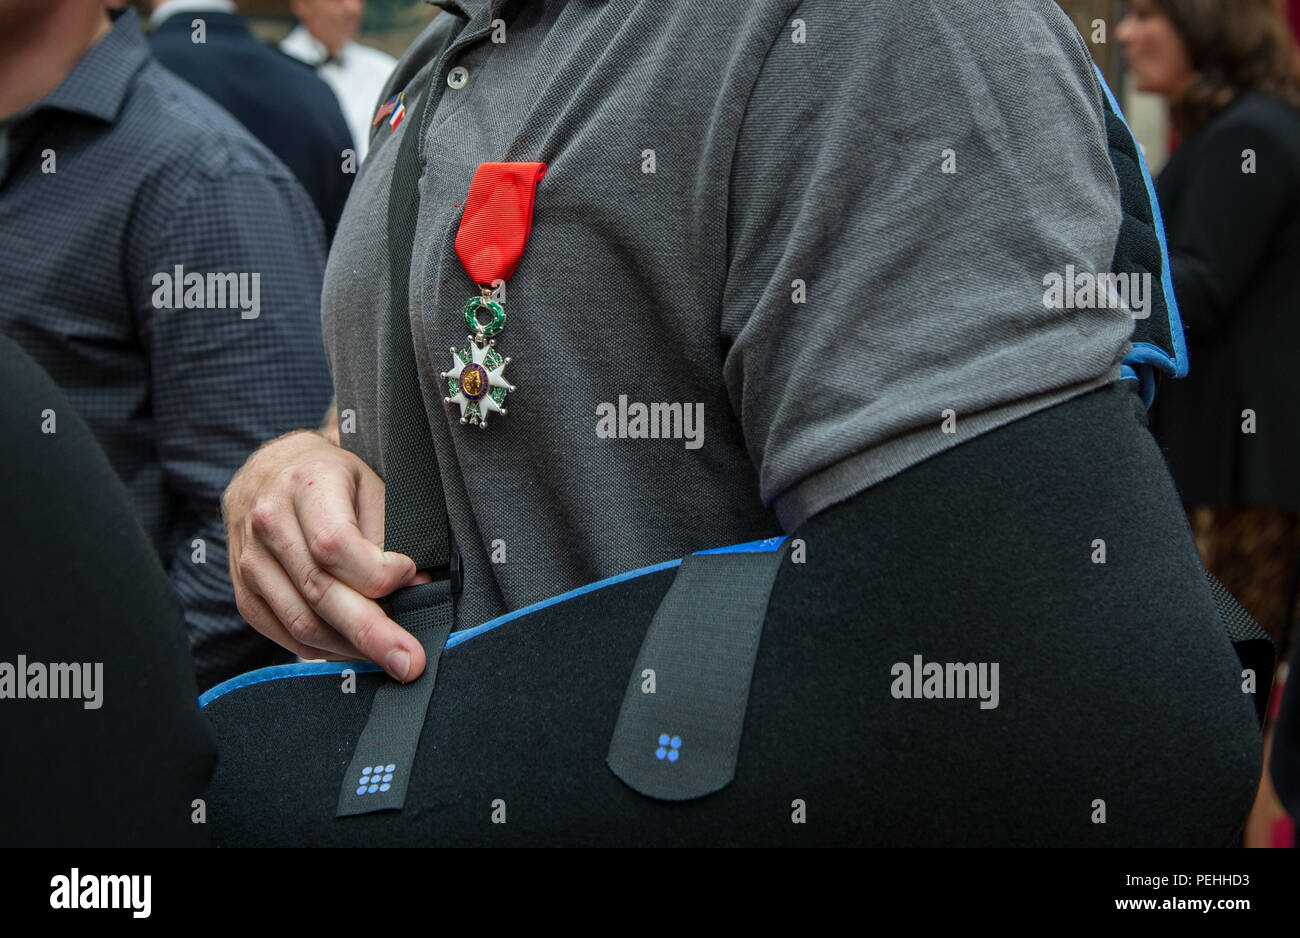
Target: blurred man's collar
{"x":169,"y":8}
{"x":302,"y":45}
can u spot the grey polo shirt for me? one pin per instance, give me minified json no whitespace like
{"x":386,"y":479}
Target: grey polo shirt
{"x":746,"y":213}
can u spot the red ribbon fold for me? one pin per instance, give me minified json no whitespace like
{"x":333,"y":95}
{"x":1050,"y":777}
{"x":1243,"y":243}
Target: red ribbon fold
{"x":497,"y":220}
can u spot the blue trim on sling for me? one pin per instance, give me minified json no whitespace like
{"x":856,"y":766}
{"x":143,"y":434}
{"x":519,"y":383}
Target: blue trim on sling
{"x":465,"y":635}
{"x":1144,"y":353}
{"x":316,"y":668}
{"x":766,"y":546}
{"x":280,"y":671}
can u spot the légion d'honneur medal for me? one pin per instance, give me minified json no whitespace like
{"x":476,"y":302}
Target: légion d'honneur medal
{"x":493,"y":232}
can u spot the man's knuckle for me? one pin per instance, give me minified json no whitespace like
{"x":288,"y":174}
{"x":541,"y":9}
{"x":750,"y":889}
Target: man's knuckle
{"x":264,"y":515}
{"x":304,"y":626}
{"x":247,"y":563}
{"x":327,"y":544}
{"x":376,"y":581}
{"x":314,"y":584}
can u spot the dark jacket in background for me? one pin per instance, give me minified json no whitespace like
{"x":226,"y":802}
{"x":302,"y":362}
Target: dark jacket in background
{"x":281,"y":100}
{"x":1234,"y":240}
{"x":80,"y":583}
{"x":1284,"y":763}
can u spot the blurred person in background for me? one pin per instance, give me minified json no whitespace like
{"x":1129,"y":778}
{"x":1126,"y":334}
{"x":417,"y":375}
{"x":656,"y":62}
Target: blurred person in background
{"x":165,"y":270}
{"x":1231,"y":202}
{"x":293,"y":112}
{"x":323,"y":39}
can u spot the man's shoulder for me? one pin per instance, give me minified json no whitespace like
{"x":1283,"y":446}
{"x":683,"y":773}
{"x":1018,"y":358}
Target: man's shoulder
{"x":186,"y":134}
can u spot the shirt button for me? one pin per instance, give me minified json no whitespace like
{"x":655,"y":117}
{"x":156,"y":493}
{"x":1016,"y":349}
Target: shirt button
{"x":457,"y":77}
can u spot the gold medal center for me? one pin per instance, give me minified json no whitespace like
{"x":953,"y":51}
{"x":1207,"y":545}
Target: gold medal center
{"x":472,"y":381}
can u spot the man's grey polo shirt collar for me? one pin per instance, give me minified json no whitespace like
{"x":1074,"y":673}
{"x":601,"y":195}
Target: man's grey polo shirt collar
{"x":467,"y":8}
{"x":97,"y":85}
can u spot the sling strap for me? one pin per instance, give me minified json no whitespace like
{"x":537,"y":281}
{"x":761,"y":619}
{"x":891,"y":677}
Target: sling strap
{"x":678,"y":730}
{"x":415,"y":520}
{"x":1253,"y":646}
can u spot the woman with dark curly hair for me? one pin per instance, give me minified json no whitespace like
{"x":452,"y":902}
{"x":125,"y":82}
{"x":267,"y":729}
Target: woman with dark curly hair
{"x":1230,"y":197}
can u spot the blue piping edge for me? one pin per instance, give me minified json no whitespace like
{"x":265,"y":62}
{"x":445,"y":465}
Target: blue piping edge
{"x":281,"y":671}
{"x":1144,"y":353}
{"x":315,"y":668}
{"x":306,"y":669}
{"x":766,"y":546}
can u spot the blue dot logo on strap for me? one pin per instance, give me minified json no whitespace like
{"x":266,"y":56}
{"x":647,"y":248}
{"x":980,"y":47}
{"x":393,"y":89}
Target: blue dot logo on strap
{"x":375,"y":778}
{"x":669,"y":747}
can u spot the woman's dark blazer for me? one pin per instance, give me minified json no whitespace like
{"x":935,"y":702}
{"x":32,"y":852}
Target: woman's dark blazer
{"x":1234,"y":239}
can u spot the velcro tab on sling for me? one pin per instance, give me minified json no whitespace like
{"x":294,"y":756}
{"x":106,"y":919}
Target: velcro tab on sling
{"x":678,"y":731}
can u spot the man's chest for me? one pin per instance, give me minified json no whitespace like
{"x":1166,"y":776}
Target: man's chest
{"x":626,"y":260}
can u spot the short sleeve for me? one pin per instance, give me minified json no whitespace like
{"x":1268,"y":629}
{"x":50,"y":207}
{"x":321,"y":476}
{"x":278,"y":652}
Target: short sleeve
{"x":905,"y":179}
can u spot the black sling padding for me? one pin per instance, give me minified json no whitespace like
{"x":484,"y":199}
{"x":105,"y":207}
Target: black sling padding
{"x":1116,"y":682}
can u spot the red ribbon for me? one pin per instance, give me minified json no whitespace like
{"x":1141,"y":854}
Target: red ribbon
{"x":498,"y":219}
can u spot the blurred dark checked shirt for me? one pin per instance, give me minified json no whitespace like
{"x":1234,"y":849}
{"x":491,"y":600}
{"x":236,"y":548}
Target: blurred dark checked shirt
{"x":119,"y":175}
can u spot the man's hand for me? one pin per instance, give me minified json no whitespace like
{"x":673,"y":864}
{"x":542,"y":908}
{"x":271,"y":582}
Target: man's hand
{"x":305,"y":521}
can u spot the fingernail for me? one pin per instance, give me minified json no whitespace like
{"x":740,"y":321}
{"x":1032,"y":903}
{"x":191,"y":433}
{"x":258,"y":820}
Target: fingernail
{"x":398,"y":663}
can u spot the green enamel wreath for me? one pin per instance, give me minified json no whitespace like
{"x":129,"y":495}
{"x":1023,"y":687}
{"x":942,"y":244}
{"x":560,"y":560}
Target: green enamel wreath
{"x":471,"y":318}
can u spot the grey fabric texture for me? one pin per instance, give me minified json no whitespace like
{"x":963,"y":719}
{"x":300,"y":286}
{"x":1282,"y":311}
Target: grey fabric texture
{"x":774,"y":161}
{"x":392,"y":732}
{"x":699,"y":652}
{"x":149,"y":174}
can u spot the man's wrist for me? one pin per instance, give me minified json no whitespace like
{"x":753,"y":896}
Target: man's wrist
{"x":330,"y":428}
